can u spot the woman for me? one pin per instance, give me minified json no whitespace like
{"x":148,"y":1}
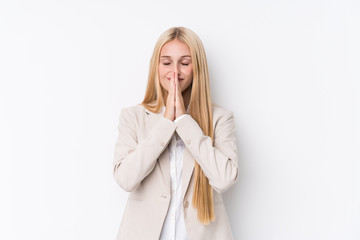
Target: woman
{"x":175,"y":148}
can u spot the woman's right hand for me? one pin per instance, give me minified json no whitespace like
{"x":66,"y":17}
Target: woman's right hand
{"x":170,"y":102}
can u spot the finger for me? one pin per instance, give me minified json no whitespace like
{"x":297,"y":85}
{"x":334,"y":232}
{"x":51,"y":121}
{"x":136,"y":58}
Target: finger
{"x":177,"y":92}
{"x":176,"y":76}
{"x":171,"y":93}
{"x":174,"y":93}
{"x":180,"y":109}
{"x":171,"y":90}
{"x":175,"y":84}
{"x":171,"y":86}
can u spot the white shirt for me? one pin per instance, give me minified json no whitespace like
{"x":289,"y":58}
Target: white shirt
{"x":174,"y":225}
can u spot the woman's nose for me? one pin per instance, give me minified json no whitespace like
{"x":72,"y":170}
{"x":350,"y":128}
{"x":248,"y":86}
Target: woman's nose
{"x":176,"y":70}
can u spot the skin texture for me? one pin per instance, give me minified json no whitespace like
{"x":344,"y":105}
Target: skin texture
{"x":176,"y":75}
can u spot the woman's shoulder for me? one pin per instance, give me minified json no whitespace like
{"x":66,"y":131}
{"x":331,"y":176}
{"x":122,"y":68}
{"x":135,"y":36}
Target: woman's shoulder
{"x":219,"y":110}
{"x":221,"y":115}
{"x":133,"y":110}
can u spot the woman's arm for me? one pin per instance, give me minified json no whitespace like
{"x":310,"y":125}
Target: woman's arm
{"x":219,"y":162}
{"x":133,"y":159}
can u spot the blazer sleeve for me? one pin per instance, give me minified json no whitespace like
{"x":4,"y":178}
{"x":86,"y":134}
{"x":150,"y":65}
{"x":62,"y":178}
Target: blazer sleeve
{"x":219,"y":162}
{"x":134,"y":159}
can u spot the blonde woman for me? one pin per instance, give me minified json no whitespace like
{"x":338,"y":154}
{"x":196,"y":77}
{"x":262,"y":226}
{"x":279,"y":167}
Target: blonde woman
{"x":176,"y":152}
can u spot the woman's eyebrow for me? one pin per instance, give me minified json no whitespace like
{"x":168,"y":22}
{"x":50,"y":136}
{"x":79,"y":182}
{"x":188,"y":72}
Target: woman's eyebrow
{"x":180,"y":57}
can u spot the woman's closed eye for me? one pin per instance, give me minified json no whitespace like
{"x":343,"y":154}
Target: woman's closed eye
{"x":185,"y":64}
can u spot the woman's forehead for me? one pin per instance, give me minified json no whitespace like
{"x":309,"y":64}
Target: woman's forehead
{"x":173,"y":47}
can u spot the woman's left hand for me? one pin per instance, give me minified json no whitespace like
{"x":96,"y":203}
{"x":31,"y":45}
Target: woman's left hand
{"x":179,"y":101}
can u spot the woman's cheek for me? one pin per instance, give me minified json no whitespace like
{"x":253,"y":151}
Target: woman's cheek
{"x":161,"y":73}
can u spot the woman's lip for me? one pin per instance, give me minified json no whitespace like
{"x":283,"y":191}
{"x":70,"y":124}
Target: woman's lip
{"x":180,"y":79}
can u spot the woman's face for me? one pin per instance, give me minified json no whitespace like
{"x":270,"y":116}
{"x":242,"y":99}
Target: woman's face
{"x":175,"y":57}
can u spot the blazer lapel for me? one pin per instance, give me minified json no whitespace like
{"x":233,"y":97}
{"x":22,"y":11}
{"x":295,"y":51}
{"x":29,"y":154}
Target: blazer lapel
{"x":188,"y":167}
{"x":165,"y":169}
{"x":164,"y":161}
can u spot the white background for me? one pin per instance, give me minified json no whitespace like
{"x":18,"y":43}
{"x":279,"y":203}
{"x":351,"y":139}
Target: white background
{"x":289,"y":70}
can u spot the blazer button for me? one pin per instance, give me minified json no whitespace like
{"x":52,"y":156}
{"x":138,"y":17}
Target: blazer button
{"x":188,"y":142}
{"x":162,"y":144}
{"x":186,"y":204}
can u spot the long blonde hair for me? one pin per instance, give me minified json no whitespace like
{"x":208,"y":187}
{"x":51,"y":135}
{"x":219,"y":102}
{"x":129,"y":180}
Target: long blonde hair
{"x":200,"y":107}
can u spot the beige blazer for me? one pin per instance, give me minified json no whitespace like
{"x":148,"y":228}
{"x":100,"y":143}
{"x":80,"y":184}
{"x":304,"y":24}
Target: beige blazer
{"x":141,"y":167}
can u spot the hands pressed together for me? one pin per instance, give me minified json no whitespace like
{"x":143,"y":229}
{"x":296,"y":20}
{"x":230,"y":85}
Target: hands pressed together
{"x":175,"y":103}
